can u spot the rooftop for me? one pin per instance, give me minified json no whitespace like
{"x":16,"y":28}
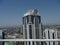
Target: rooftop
{"x":32,"y":12}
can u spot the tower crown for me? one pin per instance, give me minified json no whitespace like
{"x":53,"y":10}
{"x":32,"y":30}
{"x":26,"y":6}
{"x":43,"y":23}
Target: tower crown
{"x":32,"y":12}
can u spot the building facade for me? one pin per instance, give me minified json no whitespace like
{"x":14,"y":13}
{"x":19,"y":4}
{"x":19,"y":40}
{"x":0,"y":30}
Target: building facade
{"x":32,"y":26}
{"x":1,"y":37}
{"x":50,"y":34}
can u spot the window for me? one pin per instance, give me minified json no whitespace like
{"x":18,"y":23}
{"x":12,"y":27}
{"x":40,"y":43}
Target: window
{"x":30,"y":31}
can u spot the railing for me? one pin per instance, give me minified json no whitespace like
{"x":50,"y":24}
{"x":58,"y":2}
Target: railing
{"x":30,"y":40}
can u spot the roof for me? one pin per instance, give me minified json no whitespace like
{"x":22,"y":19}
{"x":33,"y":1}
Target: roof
{"x":32,"y":12}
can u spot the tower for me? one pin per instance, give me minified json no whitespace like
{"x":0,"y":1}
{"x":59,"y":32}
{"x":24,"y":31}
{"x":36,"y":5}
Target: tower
{"x":32,"y":26}
{"x":50,"y":34}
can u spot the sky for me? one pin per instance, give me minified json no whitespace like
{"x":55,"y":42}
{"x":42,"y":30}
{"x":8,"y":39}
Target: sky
{"x":12,"y":11}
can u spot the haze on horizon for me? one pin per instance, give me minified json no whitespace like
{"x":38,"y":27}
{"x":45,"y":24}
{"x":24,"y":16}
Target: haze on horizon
{"x":12,"y":11}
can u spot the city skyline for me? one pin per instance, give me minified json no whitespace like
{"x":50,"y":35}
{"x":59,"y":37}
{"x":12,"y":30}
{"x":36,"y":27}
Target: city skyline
{"x":12,"y":11}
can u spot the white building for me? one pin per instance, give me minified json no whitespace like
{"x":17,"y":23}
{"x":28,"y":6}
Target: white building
{"x":50,"y":34}
{"x":32,"y":26}
{"x":1,"y":37}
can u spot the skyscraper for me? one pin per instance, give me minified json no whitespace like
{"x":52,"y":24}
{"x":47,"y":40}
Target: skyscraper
{"x":50,"y":34}
{"x":32,"y":26}
{"x":1,"y":37}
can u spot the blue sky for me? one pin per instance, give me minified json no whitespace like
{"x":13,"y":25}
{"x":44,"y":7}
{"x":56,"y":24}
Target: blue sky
{"x":12,"y":11}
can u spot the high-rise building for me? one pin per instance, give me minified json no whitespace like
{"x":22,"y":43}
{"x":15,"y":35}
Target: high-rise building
{"x":1,"y":37}
{"x":50,"y":34}
{"x":32,"y":26}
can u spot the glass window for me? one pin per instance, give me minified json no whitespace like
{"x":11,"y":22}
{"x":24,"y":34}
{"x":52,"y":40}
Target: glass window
{"x":30,"y":31}
{"x":32,"y":19}
{"x":25,"y":33}
{"x":53,"y":35}
{"x":48,"y":35}
{"x":37,"y":33}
